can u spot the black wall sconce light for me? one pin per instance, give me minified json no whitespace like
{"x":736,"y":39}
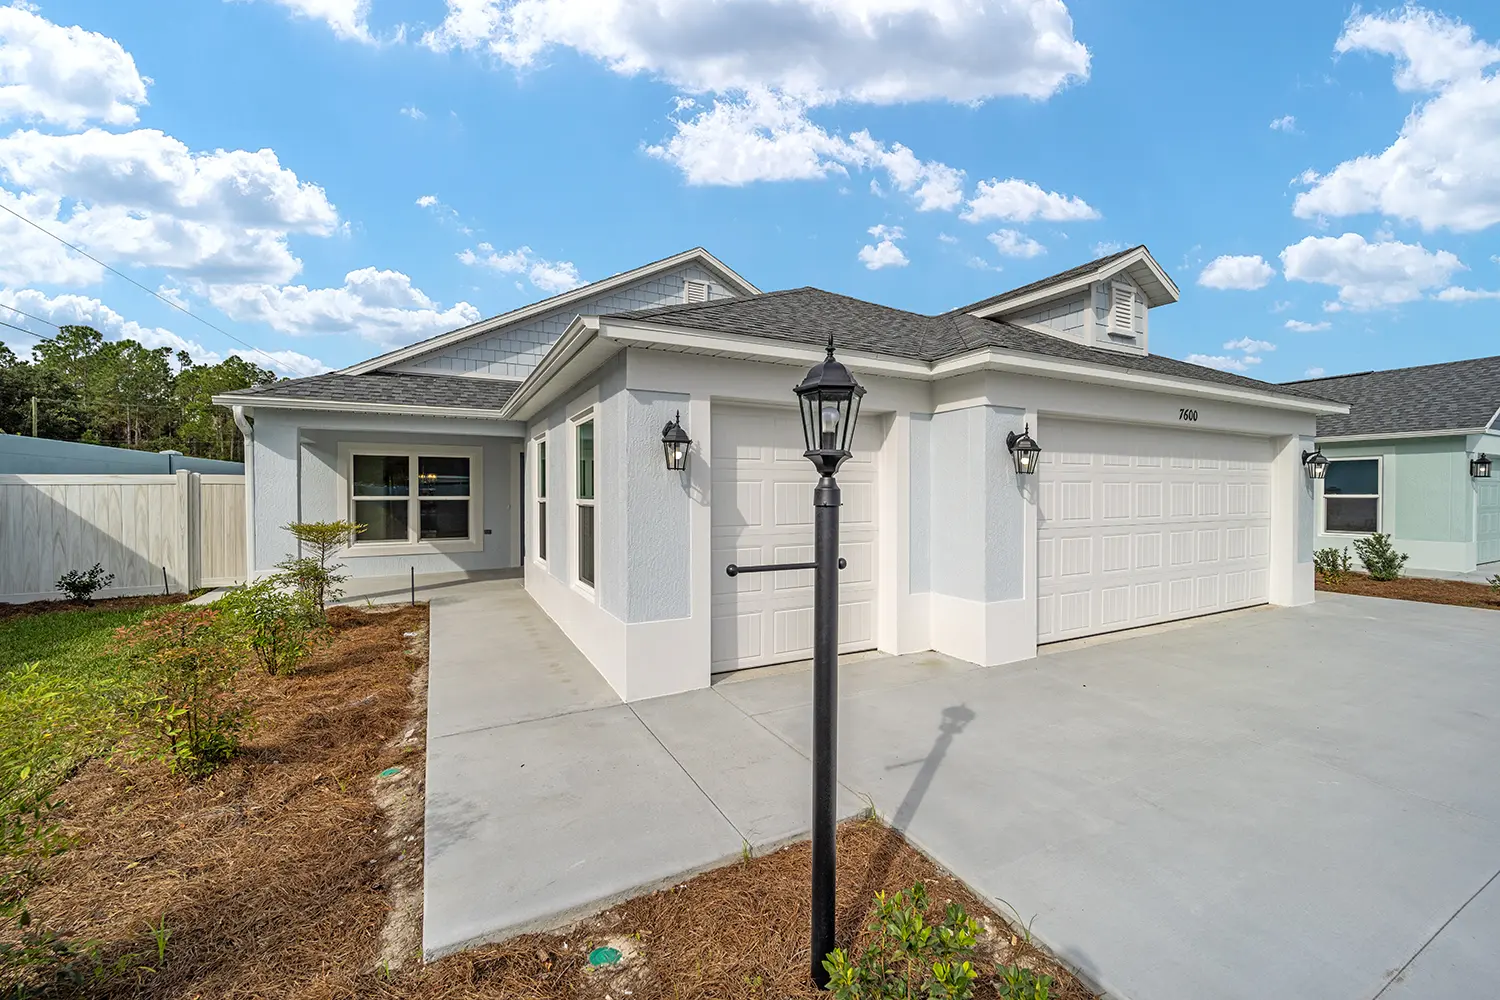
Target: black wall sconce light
{"x":1315,"y":464}
{"x":1479,"y":468}
{"x":675,"y":443}
{"x":1023,"y":450}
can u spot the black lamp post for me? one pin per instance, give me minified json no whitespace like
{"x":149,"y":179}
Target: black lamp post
{"x":1315,"y":464}
{"x":829,"y":397}
{"x":1479,"y":468}
{"x":674,"y":443}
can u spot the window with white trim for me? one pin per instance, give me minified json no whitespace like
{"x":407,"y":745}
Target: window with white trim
{"x":541,"y":499}
{"x":414,"y":496}
{"x":1351,"y":496}
{"x":583,"y":489}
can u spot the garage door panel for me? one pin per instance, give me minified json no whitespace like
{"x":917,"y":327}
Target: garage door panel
{"x":736,"y":635}
{"x":1489,"y":521}
{"x":1150,"y":525}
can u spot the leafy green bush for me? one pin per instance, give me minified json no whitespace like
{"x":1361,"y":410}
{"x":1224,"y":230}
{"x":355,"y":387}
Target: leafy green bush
{"x":909,"y":957}
{"x":1495,"y":583}
{"x":313,"y":574}
{"x":191,"y":657}
{"x":1015,"y":982}
{"x":1381,"y":559}
{"x":279,"y":626}
{"x":82,"y":586}
{"x":1332,"y":564}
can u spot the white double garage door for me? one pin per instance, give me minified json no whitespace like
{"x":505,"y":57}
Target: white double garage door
{"x":1136,"y":525}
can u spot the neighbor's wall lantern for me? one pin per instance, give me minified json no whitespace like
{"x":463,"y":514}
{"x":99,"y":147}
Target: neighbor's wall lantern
{"x":829,"y":397}
{"x":1024,"y":450}
{"x":675,"y":443}
{"x":1315,"y":464}
{"x":1479,"y":468}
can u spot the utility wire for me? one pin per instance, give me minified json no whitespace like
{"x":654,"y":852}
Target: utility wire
{"x":21,"y":328}
{"x":148,"y":291}
{"x":29,"y":316}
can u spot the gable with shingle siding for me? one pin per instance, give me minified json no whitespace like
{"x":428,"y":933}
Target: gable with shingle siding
{"x":513,"y":352}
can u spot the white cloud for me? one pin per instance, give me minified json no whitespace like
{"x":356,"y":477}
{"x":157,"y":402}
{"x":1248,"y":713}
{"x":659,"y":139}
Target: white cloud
{"x":1286,"y":123}
{"x":1241,"y":272}
{"x":1280,"y":306}
{"x":1250,"y":345}
{"x":550,"y":276}
{"x":1010,"y":243}
{"x":1106,"y":247}
{"x":766,"y":136}
{"x":1457,"y":294}
{"x":883,"y":253}
{"x":1443,"y":169}
{"x":1314,"y":373}
{"x":945,"y":238}
{"x":1302,"y":326}
{"x":83,"y":310}
{"x":427,"y":201}
{"x":1224,"y":363}
{"x":349,"y":19}
{"x":286,"y":362}
{"x":818,"y":50}
{"x":66,"y":76}
{"x":414,"y":113}
{"x":1016,"y":200}
{"x":1368,"y":275}
{"x":381,"y":306}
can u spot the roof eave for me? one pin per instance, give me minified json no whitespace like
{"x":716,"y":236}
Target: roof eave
{"x":256,"y":401}
{"x":1400,"y":435}
{"x":1168,"y":294}
{"x":556,"y":373}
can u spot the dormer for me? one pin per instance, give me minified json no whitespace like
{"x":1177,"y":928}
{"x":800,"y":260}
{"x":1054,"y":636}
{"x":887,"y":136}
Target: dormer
{"x":1104,"y":303}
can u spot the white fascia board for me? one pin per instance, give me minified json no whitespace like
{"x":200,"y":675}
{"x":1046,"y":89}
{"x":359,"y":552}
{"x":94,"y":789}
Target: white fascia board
{"x":251,"y":403}
{"x":1081,"y":282}
{"x":548,"y":305}
{"x":644,"y":334}
{"x":549,"y":378}
{"x":1399,"y":435}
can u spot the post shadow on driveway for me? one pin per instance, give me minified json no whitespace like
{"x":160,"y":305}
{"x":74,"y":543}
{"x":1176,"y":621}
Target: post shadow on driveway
{"x":954,"y":719}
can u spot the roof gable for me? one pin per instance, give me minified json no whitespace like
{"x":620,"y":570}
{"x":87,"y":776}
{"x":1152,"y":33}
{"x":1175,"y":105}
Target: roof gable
{"x":1144,"y":271}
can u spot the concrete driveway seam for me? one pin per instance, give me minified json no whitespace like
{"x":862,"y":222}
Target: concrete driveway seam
{"x":1435,"y":935}
{"x":686,"y":772}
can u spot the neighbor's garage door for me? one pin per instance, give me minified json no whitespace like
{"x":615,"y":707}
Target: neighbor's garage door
{"x":762,"y":513}
{"x":1489,"y":520}
{"x":1140,"y":525}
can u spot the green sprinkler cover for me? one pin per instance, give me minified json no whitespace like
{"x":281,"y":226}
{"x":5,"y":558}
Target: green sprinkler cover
{"x":604,"y":956}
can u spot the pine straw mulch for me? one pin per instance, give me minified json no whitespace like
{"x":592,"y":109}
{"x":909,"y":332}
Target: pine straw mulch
{"x":104,"y":604}
{"x":1413,"y":588}
{"x":282,"y":875}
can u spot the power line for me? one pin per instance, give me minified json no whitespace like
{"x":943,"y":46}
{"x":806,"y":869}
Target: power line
{"x":29,"y":316}
{"x":21,"y":328}
{"x":148,"y":291}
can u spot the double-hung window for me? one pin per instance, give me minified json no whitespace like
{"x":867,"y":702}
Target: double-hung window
{"x":583,"y":483}
{"x":418,"y":497}
{"x":1351,"y":496}
{"x":541,"y":499}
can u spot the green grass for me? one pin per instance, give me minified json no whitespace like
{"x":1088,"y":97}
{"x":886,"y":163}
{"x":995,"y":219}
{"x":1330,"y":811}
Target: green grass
{"x":63,"y":682}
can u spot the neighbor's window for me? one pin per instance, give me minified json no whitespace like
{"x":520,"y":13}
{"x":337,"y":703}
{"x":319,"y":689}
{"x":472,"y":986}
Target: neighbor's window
{"x":541,"y":500}
{"x":383,"y":499}
{"x":1351,"y":496}
{"x":585,"y":500}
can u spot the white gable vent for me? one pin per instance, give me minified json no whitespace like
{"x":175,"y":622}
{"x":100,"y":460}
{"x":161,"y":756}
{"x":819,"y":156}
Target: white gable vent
{"x":1122,"y":309}
{"x":695,"y":291}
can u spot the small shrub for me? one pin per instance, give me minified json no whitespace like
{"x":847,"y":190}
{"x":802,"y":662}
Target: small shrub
{"x":82,"y":586}
{"x":909,"y":956}
{"x":190,"y":658}
{"x":1381,"y":559}
{"x":1495,"y":583}
{"x":313,"y":574}
{"x":279,"y":626}
{"x":1332,"y":564}
{"x":1014,"y":982}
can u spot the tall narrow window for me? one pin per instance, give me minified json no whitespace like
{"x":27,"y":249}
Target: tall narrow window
{"x":585,"y":501}
{"x":382,"y":497}
{"x":443,"y":488}
{"x":541,"y":500}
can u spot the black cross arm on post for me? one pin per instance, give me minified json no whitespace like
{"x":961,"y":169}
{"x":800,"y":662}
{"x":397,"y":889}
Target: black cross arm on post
{"x":734,"y":570}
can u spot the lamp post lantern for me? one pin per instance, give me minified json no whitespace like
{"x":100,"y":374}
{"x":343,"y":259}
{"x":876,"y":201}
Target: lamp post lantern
{"x":829,"y":398}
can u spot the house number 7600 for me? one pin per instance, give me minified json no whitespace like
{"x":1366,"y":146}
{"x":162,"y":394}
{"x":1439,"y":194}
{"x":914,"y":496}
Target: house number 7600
{"x":1186,"y":414}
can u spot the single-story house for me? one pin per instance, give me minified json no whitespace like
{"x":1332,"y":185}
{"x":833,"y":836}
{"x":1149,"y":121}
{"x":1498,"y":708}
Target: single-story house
{"x":1164,"y":490}
{"x":1402,"y":462}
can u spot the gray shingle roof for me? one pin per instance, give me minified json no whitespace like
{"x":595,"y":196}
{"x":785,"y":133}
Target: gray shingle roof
{"x":1455,"y":395}
{"x":392,"y":388}
{"x":810,"y":316}
{"x":1049,"y":281}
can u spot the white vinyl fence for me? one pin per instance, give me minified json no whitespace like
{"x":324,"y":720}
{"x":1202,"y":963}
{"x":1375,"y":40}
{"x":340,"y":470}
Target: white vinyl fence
{"x":154,"y":533}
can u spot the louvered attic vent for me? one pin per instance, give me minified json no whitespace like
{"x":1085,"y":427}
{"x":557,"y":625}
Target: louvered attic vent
{"x":1122,"y":309}
{"x":695,"y":291}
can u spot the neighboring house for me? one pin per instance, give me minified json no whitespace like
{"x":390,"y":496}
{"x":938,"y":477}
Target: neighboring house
{"x":29,"y":456}
{"x":1400,"y":462}
{"x":1165,"y":490}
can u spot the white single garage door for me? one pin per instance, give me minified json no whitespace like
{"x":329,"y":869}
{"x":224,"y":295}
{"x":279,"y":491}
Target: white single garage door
{"x":1489,"y":520}
{"x":1140,"y":525}
{"x":762,"y":513}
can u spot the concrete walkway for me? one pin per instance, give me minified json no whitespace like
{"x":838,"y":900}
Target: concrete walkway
{"x":1271,"y":803}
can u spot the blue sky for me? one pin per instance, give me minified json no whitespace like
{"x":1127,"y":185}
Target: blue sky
{"x":326,"y":179}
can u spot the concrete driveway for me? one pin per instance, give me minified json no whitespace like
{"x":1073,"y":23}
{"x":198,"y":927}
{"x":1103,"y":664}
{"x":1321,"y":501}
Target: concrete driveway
{"x":1283,"y":802}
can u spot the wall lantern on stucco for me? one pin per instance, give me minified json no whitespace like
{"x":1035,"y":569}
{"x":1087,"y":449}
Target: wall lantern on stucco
{"x":1315,"y":464}
{"x":1479,"y":468}
{"x":1024,"y":451}
{"x":829,"y":397}
{"x":675,"y":443}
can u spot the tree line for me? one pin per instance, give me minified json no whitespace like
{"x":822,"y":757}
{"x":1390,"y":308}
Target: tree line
{"x":77,"y":386}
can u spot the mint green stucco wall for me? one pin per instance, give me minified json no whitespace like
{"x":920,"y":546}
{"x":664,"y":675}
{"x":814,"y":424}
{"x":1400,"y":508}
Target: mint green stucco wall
{"x":1427,"y":501}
